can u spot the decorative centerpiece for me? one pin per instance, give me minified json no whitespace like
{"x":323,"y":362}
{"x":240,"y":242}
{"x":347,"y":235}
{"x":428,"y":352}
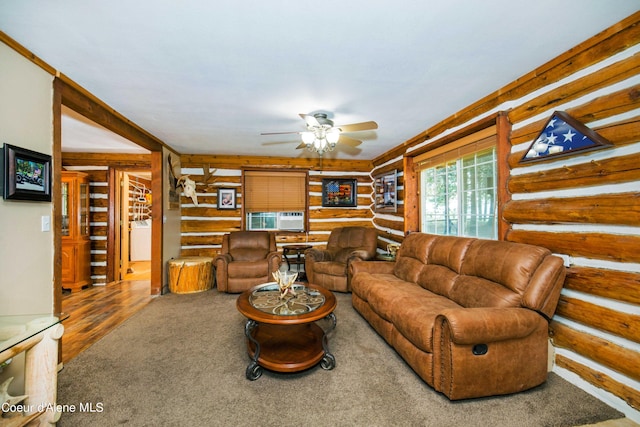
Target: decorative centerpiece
{"x":285,"y":280}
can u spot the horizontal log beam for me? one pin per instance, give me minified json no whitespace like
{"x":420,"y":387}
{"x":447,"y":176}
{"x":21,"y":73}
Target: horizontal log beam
{"x":602,"y":351}
{"x":612,"y":284}
{"x":327,"y":213}
{"x":618,"y":209}
{"x":239,"y":162}
{"x":596,"y":172}
{"x":624,"y":325}
{"x":189,"y":226}
{"x":123,"y":161}
{"x":323,"y":226}
{"x":613,"y":247}
{"x":393,"y":225}
{"x":607,"y":76}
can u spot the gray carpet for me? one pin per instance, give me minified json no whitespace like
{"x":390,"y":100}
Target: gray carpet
{"x":181,"y":362}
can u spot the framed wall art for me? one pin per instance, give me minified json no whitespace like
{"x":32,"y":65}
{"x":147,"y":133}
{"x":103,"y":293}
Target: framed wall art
{"x":562,"y":136}
{"x":385,"y":192}
{"x":226,"y":198}
{"x":339,"y":192}
{"x":26,"y":174}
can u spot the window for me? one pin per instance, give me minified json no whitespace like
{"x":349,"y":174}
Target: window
{"x":275,"y":200}
{"x":458,"y":188}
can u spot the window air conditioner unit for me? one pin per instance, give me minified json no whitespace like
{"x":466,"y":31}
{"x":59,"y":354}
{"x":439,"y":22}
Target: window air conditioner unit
{"x":291,"y":221}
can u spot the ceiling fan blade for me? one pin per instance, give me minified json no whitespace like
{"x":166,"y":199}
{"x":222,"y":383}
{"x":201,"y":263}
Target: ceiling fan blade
{"x":278,"y":133}
{"x":344,"y":139}
{"x":265,"y":144}
{"x":302,"y":145}
{"x":351,"y":150}
{"x":355,"y":127}
{"x":310,"y":120}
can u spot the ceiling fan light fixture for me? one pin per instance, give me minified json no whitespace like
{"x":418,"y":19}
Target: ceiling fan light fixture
{"x":308,"y":138}
{"x":333,"y":135}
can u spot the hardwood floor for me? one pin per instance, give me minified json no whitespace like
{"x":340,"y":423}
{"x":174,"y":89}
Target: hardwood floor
{"x":97,"y":310}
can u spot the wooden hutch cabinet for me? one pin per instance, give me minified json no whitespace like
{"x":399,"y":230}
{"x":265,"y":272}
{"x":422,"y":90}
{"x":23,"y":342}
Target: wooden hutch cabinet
{"x":76,"y":245}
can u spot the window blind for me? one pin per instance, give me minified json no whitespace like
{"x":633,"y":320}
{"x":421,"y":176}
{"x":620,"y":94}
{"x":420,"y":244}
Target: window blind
{"x":473,"y":143}
{"x":267,"y":191}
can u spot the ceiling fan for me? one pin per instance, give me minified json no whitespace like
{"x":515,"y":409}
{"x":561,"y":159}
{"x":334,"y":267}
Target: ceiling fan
{"x":322,"y":136}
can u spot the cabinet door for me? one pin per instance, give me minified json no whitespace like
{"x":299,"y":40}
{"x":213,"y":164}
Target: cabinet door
{"x":68,"y":263}
{"x":83,"y":207}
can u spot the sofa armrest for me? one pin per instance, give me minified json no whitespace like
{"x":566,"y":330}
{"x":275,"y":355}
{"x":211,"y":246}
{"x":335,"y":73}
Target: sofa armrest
{"x":481,"y":352}
{"x":222,"y":259}
{"x":221,"y":263}
{"x":373,"y":267}
{"x":469,"y":326}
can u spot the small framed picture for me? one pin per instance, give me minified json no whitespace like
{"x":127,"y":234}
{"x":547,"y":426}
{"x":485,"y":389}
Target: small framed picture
{"x":385,"y":192}
{"x":226,"y":198}
{"x":26,"y":174}
{"x":339,"y":192}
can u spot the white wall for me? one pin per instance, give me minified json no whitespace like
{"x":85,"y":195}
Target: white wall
{"x":171,"y":220}
{"x":26,"y":252}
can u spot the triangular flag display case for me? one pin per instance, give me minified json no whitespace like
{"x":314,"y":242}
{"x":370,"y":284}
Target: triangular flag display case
{"x":563,"y":136}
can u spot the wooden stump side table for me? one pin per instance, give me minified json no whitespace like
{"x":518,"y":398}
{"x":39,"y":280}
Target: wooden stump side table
{"x":190,"y":274}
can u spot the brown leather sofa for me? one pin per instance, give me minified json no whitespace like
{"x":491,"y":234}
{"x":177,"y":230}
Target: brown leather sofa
{"x":329,"y":267}
{"x":246,"y":259}
{"x":470,"y":316}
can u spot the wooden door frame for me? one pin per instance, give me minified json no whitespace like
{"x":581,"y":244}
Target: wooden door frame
{"x":69,"y":94}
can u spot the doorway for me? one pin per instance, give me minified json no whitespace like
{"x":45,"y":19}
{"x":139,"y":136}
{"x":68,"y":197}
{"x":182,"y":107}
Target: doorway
{"x":134,"y":201}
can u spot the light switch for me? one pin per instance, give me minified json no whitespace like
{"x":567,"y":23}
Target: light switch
{"x":46,"y":223}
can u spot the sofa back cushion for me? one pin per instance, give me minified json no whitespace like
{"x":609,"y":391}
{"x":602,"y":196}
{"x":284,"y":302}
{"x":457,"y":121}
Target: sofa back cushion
{"x":444,"y":261}
{"x":412,"y":256}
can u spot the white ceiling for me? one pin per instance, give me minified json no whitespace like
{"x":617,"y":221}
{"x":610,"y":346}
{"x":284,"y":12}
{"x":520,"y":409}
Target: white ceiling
{"x":209,"y":76}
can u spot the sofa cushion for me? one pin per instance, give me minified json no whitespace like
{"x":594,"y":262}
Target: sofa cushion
{"x":383,"y":297}
{"x":437,"y":279}
{"x":332,"y":268}
{"x":365,"y":283}
{"x":475,"y":292}
{"x":415,"y":314}
{"x":248,"y":269}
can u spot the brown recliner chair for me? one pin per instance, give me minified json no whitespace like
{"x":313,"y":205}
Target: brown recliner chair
{"x":329,"y":267}
{"x":247,"y":259}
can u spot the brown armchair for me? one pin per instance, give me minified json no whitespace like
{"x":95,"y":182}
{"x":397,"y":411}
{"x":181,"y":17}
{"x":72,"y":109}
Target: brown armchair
{"x":329,"y":267}
{"x":247,"y":259}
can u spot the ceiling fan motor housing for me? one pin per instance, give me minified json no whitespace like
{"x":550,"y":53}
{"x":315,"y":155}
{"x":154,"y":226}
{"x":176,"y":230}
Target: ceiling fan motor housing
{"x":323,"y":120}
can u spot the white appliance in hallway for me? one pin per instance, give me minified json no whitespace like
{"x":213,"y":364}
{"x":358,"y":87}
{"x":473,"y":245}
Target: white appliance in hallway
{"x":140,"y":240}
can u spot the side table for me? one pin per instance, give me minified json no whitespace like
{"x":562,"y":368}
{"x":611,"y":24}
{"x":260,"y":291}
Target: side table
{"x":385,"y":257}
{"x":297,"y":251}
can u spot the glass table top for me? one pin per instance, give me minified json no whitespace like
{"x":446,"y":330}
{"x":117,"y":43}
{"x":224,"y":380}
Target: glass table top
{"x":266,"y":298}
{"x":15,"y":329}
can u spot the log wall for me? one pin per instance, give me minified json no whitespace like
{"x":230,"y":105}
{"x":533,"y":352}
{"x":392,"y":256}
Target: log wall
{"x":203,"y":226}
{"x":585,"y":207}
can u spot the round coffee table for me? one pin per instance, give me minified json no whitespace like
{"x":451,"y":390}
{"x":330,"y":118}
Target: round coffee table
{"x":282,"y":334}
